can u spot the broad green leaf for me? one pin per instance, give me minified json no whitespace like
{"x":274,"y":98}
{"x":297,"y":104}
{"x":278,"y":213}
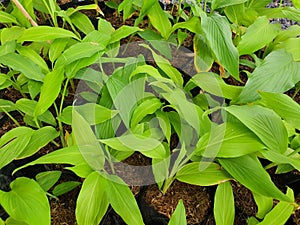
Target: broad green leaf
{"x":149,"y":106}
{"x":82,"y":22}
{"x":273,"y":75}
{"x":202,"y":174}
{"x":88,"y":144}
{"x":81,"y":170}
{"x":47,"y":179}
{"x":34,"y":57}
{"x":265,"y":123}
{"x":68,"y":155}
{"x":65,"y":187}
{"x":24,"y":65}
{"x":188,"y":111}
{"x":203,"y":59}
{"x":14,"y":133}
{"x":249,"y":172}
{"x":192,"y":25}
{"x":40,"y":138}
{"x":45,"y":33}
{"x":7,"y":18}
{"x":105,"y":26}
{"x":123,"y":202}
{"x":257,"y":35}
{"x":91,"y":112}
{"x":296,"y":3}
{"x":49,"y":91}
{"x":218,"y":34}
{"x":6,"y":105}
{"x":123,"y":32}
{"x":264,"y":204}
{"x":228,"y":140}
{"x":281,"y":212}
{"x":179,"y":216}
{"x":25,"y":199}
{"x":8,"y":47}
{"x":28,"y":106}
{"x":159,"y":19}
{"x":166,"y":67}
{"x":18,"y":145}
{"x":291,"y":32}
{"x":281,"y":159}
{"x":224,"y":204}
{"x":57,"y":47}
{"x":292,"y":46}
{"x":284,"y":106}
{"x":78,"y":51}
{"x":224,"y":3}
{"x":291,"y":13}
{"x":11,"y":34}
{"x":160,"y":169}
{"x":92,"y":202}
{"x":215,"y":85}
{"x":134,"y":142}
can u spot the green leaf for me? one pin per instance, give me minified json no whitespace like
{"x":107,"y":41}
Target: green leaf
{"x":224,"y":204}
{"x":65,"y":187}
{"x":49,"y":91}
{"x":81,"y":170}
{"x":18,"y":145}
{"x":257,"y":35}
{"x":93,"y":113}
{"x":87,"y":142}
{"x":78,"y":51}
{"x":284,"y":106}
{"x":92,"y":202}
{"x":264,"y":204}
{"x":218,"y":35}
{"x":11,"y":33}
{"x":159,"y":19}
{"x":178,"y":217}
{"x":123,"y":202}
{"x":272,"y":75}
{"x":265,"y":123}
{"x":57,"y":47}
{"x":281,"y":212}
{"x":24,"y":65}
{"x":25,"y":199}
{"x":149,"y":106}
{"x":47,"y":179}
{"x":228,"y":140}
{"x":203,"y":60}
{"x":292,"y":46}
{"x":249,"y":172}
{"x":82,"y":22}
{"x":148,"y":146}
{"x":202,"y":174}
{"x":6,"y":105}
{"x":45,"y":33}
{"x":281,"y":159}
{"x":215,"y":85}
{"x":7,"y":18}
{"x":34,"y":57}
{"x":216,"y":4}
{"x":123,"y":32}
{"x":192,"y":25}
{"x":39,"y":139}
{"x":166,"y":67}
{"x":28,"y":106}
{"x":68,"y":155}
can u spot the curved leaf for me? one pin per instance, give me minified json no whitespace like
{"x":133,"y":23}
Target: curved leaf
{"x":92,"y":202}
{"x":218,"y":35}
{"x":25,"y":199}
{"x":250,"y":173}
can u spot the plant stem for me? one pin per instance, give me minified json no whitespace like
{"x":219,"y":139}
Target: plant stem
{"x":25,"y":13}
{"x":10,"y":116}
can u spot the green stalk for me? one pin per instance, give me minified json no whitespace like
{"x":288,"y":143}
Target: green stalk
{"x":11,"y":117}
